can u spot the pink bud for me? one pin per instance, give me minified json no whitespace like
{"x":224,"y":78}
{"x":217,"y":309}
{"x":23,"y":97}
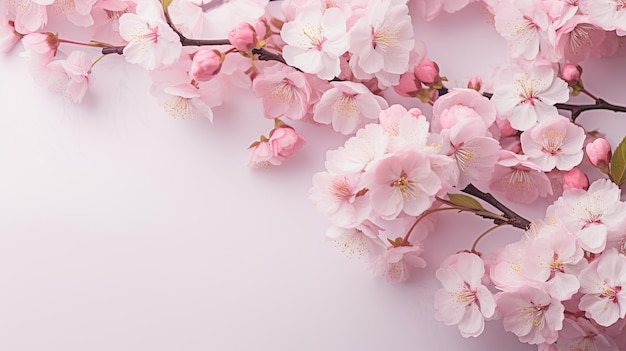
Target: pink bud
{"x":571,"y":73}
{"x":599,"y":152}
{"x":475,"y":83}
{"x":409,"y":85}
{"x":243,"y":37}
{"x":205,"y":65}
{"x":284,"y":142}
{"x":575,"y":179}
{"x":427,"y":71}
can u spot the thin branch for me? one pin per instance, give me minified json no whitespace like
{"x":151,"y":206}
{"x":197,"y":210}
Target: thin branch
{"x":513,"y":218}
{"x":600,"y":104}
{"x":576,"y":110}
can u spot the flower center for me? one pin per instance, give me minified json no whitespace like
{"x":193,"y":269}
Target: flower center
{"x":385,"y":37}
{"x":315,"y":36}
{"x":552,"y":141}
{"x":282,"y":93}
{"x":346,"y":106}
{"x":407,"y":188}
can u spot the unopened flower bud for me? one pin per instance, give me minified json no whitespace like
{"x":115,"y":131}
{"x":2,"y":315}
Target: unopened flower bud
{"x":575,"y":179}
{"x":243,"y":37}
{"x":571,"y":73}
{"x":284,"y":142}
{"x":205,"y":65}
{"x":599,"y":152}
{"x":408,"y":86}
{"x":427,"y":71}
{"x":475,"y":83}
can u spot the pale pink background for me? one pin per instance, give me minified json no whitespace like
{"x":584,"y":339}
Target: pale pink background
{"x":124,"y":229}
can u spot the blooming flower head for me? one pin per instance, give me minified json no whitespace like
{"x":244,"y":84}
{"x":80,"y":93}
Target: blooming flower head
{"x":403,"y":182}
{"x":381,"y":42}
{"x":594,"y":216}
{"x":8,"y":36}
{"x":347,"y":105}
{"x":315,"y":41}
{"x":584,"y":335}
{"x":151,"y":41}
{"x":285,"y":142}
{"x":285,"y":92}
{"x":69,"y":77}
{"x":554,"y":143}
{"x":519,"y":179}
{"x":396,"y":262}
{"x":604,"y":284}
{"x":342,"y":198}
{"x":529,"y":95}
{"x":464,"y":300}
{"x":531,"y":314}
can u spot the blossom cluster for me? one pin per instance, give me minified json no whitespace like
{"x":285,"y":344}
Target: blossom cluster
{"x":558,"y":287}
{"x":339,"y":64}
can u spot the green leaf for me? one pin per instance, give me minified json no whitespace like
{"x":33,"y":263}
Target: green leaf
{"x":618,"y":163}
{"x":465,"y":201}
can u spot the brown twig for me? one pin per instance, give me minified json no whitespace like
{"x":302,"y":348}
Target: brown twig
{"x":512,"y":218}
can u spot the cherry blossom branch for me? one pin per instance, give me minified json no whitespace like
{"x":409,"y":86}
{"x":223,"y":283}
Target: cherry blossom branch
{"x":575,"y":110}
{"x":600,"y":104}
{"x":510,"y":217}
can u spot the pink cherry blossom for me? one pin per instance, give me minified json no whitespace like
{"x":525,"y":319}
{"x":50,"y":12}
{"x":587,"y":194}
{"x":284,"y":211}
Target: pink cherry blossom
{"x":554,"y":143}
{"x":396,"y":263}
{"x":69,"y":77}
{"x":531,"y":314}
{"x":347,"y":105}
{"x":152,"y":43}
{"x":381,"y":42}
{"x":608,"y":14}
{"x":459,"y":105}
{"x":594,"y":216}
{"x":519,"y":179}
{"x":359,"y":241}
{"x":285,"y":142}
{"x":213,"y":19}
{"x":529,"y":96}
{"x":403,"y":183}
{"x":577,"y":38}
{"x":604,"y":284}
{"x":555,"y":254}
{"x":285,"y":91}
{"x":582,"y":334}
{"x":505,"y":272}
{"x":360,"y":151}
{"x":8,"y":36}
{"x":183,"y":100}
{"x":526,"y":27}
{"x":30,"y":15}
{"x":474,"y":152}
{"x":342,"y":198}
{"x":77,"y":11}
{"x":464,"y":300}
{"x":315,"y":41}
{"x":262,"y":155}
{"x":40,"y":48}
{"x":571,"y":73}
